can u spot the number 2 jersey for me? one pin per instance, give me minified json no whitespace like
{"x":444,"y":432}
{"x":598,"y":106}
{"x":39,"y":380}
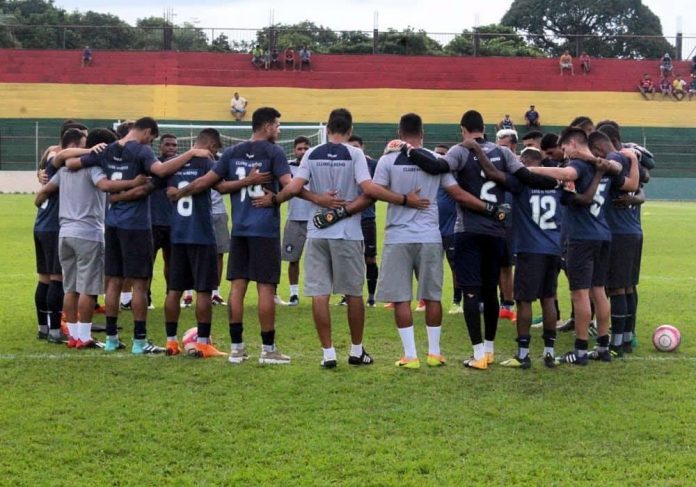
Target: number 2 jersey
{"x":192,"y":218}
{"x":236,"y":163}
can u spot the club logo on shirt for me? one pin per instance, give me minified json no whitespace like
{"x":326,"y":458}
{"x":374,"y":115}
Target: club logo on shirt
{"x":289,"y":248}
{"x":249,"y":156}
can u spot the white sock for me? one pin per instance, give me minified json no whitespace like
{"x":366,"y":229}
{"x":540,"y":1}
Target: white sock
{"x":84,"y":330}
{"x":433,"y":339}
{"x":408,"y":340}
{"x":216,"y":292}
{"x":172,"y":339}
{"x":488,"y":346}
{"x":268,"y":348}
{"x":294,"y":289}
{"x":478,"y":351}
{"x":238,"y":346}
{"x":550,"y":351}
{"x":73,"y":331}
{"x":329,"y":353}
{"x":523,"y":352}
{"x":188,"y":294}
{"x":126,"y":297}
{"x":356,"y":350}
{"x":202,"y":340}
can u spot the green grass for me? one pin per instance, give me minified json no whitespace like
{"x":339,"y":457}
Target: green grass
{"x":84,"y":418}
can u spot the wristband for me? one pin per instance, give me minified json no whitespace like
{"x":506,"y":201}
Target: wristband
{"x":403,"y":202}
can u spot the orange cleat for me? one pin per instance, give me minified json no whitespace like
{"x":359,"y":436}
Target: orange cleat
{"x":172,"y":348}
{"x":206,"y":350}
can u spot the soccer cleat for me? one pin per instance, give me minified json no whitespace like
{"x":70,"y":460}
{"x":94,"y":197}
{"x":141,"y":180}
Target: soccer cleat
{"x":572,"y":358}
{"x":187,"y":302}
{"x":435,"y":360}
{"x":456,"y":309}
{"x":507,"y":314}
{"x":113,"y":344}
{"x":278,"y":301}
{"x":421,"y":306}
{"x":634,"y":341}
{"x":537,"y":320}
{"x":518,"y":363}
{"x":126,"y":306}
{"x":217,"y":300}
{"x":364,"y":359}
{"x":592,"y":329}
{"x":490,"y":357}
{"x":99,"y":309}
{"x":616,"y":352}
{"x":627,"y":347}
{"x":91,"y":343}
{"x":206,"y":350}
{"x":144,"y":347}
{"x":274,"y":357}
{"x":472,"y":363}
{"x":408,"y":363}
{"x":599,"y":355}
{"x":389,"y":306}
{"x":72,"y":342}
{"x":41,"y":335}
{"x":60,"y":339}
{"x":238,"y":355}
{"x":172,"y":348}
{"x":371,"y":303}
{"x":150,"y":306}
{"x":549,"y":361}
{"x":343,"y":301}
{"x":567,"y":326}
{"x":329,"y":364}
{"x":294,"y":300}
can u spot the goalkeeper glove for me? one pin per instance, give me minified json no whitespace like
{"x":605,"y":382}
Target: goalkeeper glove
{"x":328,"y":216}
{"x":498,"y":212}
{"x":397,"y":145}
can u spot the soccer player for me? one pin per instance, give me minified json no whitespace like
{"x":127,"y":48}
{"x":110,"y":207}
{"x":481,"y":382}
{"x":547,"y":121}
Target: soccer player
{"x":584,"y":123}
{"x":589,"y":239}
{"x":194,"y":249}
{"x":128,"y":235}
{"x":507,"y":138}
{"x":295,"y":232}
{"x":245,"y":171}
{"x":532,"y":139}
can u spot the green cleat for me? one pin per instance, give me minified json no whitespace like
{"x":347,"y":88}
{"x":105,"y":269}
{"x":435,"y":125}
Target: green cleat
{"x":518,"y":363}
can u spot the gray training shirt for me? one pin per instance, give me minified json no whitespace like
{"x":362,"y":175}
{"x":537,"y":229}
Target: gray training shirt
{"x":82,"y":204}
{"x":409,"y":225}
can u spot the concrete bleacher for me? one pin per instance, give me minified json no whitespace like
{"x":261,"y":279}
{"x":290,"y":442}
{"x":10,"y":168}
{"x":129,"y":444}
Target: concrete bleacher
{"x":328,"y":71}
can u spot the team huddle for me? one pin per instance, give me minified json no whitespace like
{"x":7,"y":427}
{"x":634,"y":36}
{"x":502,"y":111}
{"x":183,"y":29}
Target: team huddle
{"x":569,"y":202}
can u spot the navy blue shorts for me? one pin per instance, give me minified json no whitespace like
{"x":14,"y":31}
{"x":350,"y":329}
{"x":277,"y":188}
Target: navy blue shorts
{"x":478,"y":259}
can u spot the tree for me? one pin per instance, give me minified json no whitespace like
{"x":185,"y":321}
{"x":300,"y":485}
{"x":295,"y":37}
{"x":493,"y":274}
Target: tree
{"x":316,"y":37}
{"x":407,"y":42}
{"x":221,"y":44}
{"x":554,"y":26}
{"x":491,"y":43}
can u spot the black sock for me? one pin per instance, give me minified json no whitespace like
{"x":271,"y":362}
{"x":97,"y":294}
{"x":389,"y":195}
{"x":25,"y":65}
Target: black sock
{"x":268,"y":338}
{"x":558,"y":310}
{"x":472,"y":315}
{"x":139,"y":330}
{"x":236,"y":331}
{"x":580,"y":347}
{"x":111,"y":326}
{"x":523,"y":341}
{"x":603,"y":342}
{"x":457,"y":295}
{"x":549,"y":337}
{"x":171,"y":328}
{"x":507,"y":303}
{"x":203,"y":330}
{"x":54,"y":301}
{"x":631,"y":308}
{"x":372,"y":276}
{"x":619,"y":306}
{"x":40,"y":303}
{"x":490,"y":312}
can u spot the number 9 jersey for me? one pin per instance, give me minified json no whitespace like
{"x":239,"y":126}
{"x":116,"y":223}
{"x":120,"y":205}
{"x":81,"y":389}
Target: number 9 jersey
{"x":192,"y":219}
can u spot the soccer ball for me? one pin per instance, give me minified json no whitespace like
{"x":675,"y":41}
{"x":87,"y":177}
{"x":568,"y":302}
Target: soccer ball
{"x":189,"y":340}
{"x":666,"y":338}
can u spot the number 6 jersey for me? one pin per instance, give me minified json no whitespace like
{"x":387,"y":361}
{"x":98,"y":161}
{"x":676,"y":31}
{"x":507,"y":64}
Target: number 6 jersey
{"x":192,"y":219}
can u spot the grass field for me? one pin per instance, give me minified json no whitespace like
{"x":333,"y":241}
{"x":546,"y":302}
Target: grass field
{"x":85,"y":418}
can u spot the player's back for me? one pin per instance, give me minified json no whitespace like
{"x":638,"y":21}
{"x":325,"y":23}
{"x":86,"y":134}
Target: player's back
{"x":82,"y":204}
{"x":621,"y":220}
{"x":47,"y":214}
{"x":537,"y":219}
{"x":588,"y":223}
{"x":192,"y":220}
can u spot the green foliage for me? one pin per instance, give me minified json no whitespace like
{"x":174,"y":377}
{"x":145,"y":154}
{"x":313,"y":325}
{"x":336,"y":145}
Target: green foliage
{"x":550,"y":22}
{"x":316,"y":37}
{"x":408,"y":42}
{"x":491,"y":43}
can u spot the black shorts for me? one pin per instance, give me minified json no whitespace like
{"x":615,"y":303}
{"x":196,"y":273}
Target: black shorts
{"x":508,"y":260}
{"x":161,"y":240}
{"x":536,"y":276}
{"x":369,"y":231}
{"x":193,"y":267}
{"x":46,"y":247}
{"x":128,"y":253}
{"x":254,"y":259}
{"x":624,"y":261}
{"x":477,"y":259}
{"x":587,"y":263}
{"x":449,"y":245}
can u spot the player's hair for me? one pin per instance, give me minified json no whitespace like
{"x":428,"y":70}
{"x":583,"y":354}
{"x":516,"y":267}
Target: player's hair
{"x":71,"y":124}
{"x":145,"y":123}
{"x":581,"y":121}
{"x":533,"y":134}
{"x":505,"y":133}
{"x":71,"y":136}
{"x":340,"y":121}
{"x":167,"y":136}
{"x":472,"y":121}
{"x":607,"y":122}
{"x":356,"y":138}
{"x":597,"y":137}
{"x":411,"y":124}
{"x":444,"y":146}
{"x":531,"y":153}
{"x":209,"y":135}
{"x":611,"y":132}
{"x":123,"y":129}
{"x":98,"y":136}
{"x":301,"y":140}
{"x":573,"y":133}
{"x":549,"y":141}
{"x":262,"y":116}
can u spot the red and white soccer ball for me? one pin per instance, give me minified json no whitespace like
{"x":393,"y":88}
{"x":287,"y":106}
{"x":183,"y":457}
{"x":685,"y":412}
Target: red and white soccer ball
{"x":190,"y":339}
{"x":666,"y":338}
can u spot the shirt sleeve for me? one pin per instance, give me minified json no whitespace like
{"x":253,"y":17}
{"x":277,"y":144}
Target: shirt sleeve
{"x":512,"y":164}
{"x":147,"y":156}
{"x":279,"y":163}
{"x":513,"y":184}
{"x":382,"y":172}
{"x":303,"y":169}
{"x":447,"y":180}
{"x":456,"y":157}
{"x":221,"y":167}
{"x":90,"y":160}
{"x":96,"y":173}
{"x":360,"y":171}
{"x":55,"y":180}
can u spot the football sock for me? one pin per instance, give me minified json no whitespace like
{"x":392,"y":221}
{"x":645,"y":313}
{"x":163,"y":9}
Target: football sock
{"x":549,"y":337}
{"x":549,"y":351}
{"x":488,"y":346}
{"x":170,"y":328}
{"x":216,"y":292}
{"x":139,"y":330}
{"x":126,"y":297}
{"x":356,"y":350}
{"x":204,"y":331}
{"x":507,"y":304}
{"x":490,"y":312}
{"x":73,"y":331}
{"x":111,"y":326}
{"x":472,"y":315}
{"x":603,"y":343}
{"x":268,"y":339}
{"x":372,"y":274}
{"x":41,"y":306}
{"x":54,"y":302}
{"x":294,"y":289}
{"x":631,"y":309}
{"x":329,"y":353}
{"x":523,"y":345}
{"x":188,"y":293}
{"x":478,"y":351}
{"x":434,"y":339}
{"x":618,"y":318}
{"x":457,"y":295}
{"x":580,"y":347}
{"x":84,"y":330}
{"x":408,"y":340}
{"x":55,"y":333}
{"x":236,"y":331}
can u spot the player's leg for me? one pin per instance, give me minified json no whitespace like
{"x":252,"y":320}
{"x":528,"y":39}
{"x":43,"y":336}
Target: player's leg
{"x":44,"y":280}
{"x":54,"y":293}
{"x":179,"y":279}
{"x":505,"y":282}
{"x":237,"y":274}
{"x":448,"y":244}
{"x":318,"y":284}
{"x":126,"y":295}
{"x":369,"y":231}
{"x":493,"y":253}
{"x":527,"y":283}
{"x":601,"y":301}
{"x":468,"y":272}
{"x":89,"y":282}
{"x":222,"y":242}
{"x":294,"y":237}
{"x":68,"y":262}
{"x":204,"y":266}
{"x":429,"y":269}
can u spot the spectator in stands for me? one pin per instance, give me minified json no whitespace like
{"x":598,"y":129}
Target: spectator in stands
{"x":266,"y":59}
{"x":275,"y":59}
{"x":566,"y":62}
{"x":678,"y":88}
{"x":585,"y":62}
{"x":692,"y":86}
{"x":505,"y":123}
{"x":305,"y":58}
{"x":290,"y":59}
{"x":693,"y":65}
{"x":507,"y":138}
{"x":238,"y":106}
{"x":86,"y":57}
{"x":666,"y":65}
{"x":257,"y":57}
{"x":532,"y":139}
{"x":646,"y":87}
{"x":665,"y":87}
{"x":532,"y":118}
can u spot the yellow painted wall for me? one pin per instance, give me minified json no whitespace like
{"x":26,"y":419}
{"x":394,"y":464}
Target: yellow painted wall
{"x":35,"y":100}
